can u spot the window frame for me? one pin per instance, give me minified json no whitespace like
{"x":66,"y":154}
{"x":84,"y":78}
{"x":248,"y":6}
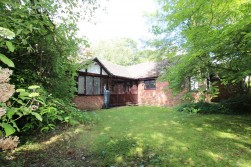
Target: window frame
{"x":101,"y":85}
{"x":147,"y":82}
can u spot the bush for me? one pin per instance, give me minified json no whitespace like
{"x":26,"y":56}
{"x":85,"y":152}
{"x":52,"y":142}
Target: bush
{"x":54,"y":111}
{"x":240,"y":104}
{"x":204,"y":108}
{"x":34,"y":109}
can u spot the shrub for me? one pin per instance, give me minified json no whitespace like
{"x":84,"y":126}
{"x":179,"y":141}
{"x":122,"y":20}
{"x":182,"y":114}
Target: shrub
{"x":53,"y":111}
{"x":203,"y":108}
{"x":240,"y":104}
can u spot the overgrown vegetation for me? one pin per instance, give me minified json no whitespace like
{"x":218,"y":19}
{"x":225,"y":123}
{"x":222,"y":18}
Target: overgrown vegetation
{"x":239,"y":104}
{"x":146,"y":136}
{"x":38,"y":41}
{"x":204,"y":108}
{"x":207,"y":40}
{"x":32,"y":110}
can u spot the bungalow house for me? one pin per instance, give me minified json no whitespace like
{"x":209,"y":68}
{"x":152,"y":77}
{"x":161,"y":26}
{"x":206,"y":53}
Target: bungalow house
{"x":135,"y":84}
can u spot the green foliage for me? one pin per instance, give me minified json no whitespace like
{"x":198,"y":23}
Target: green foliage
{"x":35,"y":109}
{"x":204,"y":108}
{"x":5,"y":36}
{"x":46,"y":44}
{"x":146,"y":136}
{"x":200,"y":38}
{"x":40,"y":38}
{"x":239,"y":104}
{"x":25,"y":105}
{"x":8,"y":129}
{"x":123,"y":51}
{"x":6,"y":60}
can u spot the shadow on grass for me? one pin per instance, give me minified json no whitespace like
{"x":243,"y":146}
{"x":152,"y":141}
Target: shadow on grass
{"x":146,"y":138}
{"x":56,"y":148}
{"x":174,"y":139}
{"x":125,"y":152}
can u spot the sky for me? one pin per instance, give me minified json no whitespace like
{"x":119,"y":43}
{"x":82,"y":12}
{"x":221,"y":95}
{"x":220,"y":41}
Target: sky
{"x":122,"y":18}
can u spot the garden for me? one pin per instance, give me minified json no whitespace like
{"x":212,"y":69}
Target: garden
{"x":140,"y":136}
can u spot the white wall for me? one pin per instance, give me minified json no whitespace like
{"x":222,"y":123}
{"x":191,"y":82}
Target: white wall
{"x":94,"y":68}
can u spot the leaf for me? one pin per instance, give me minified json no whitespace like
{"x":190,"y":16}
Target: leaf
{"x":34,"y":94}
{"x":6,"y":60}
{"x":20,"y":90}
{"x":45,"y":129}
{"x":20,"y":101}
{"x":33,"y":87}
{"x":10,"y":46}
{"x":40,"y":101}
{"x":52,"y":126}
{"x":24,"y":95}
{"x":38,"y":116}
{"x":19,"y":114}
{"x":9,"y":130}
{"x":10,"y":113}
{"x":15,"y":125}
{"x":60,"y":118}
{"x":19,"y":31}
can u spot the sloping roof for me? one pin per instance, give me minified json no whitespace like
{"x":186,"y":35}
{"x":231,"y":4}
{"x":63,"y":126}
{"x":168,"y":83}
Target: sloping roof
{"x":142,"y":70}
{"x":115,"y":69}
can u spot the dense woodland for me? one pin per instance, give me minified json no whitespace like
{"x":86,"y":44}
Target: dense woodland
{"x":39,"y":55}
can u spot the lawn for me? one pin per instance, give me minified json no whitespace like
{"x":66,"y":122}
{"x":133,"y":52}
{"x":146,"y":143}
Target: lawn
{"x":141,"y":136}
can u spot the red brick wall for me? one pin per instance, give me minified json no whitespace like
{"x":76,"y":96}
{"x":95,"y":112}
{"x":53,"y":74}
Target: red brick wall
{"x":89,"y":102}
{"x":162,"y":96}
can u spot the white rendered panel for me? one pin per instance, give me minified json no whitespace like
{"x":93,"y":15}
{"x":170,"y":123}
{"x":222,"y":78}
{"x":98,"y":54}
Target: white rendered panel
{"x":94,"y":68}
{"x":103,"y":72}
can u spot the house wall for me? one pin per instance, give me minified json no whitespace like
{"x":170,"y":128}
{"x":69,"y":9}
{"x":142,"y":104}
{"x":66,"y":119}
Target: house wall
{"x":161,"y":96}
{"x":120,"y":97}
{"x":89,"y":102}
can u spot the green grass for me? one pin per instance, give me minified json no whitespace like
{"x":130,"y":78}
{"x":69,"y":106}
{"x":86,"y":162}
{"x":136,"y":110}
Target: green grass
{"x":142,"y":136}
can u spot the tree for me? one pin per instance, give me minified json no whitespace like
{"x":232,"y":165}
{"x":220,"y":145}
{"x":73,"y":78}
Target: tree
{"x":46,"y":38}
{"x":123,"y":51}
{"x":120,"y":51}
{"x":38,"y":40}
{"x":201,"y":37}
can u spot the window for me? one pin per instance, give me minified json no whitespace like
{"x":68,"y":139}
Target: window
{"x":81,"y":82}
{"x":89,"y":85}
{"x":96,"y":85}
{"x":150,"y":84}
{"x":194,"y":84}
